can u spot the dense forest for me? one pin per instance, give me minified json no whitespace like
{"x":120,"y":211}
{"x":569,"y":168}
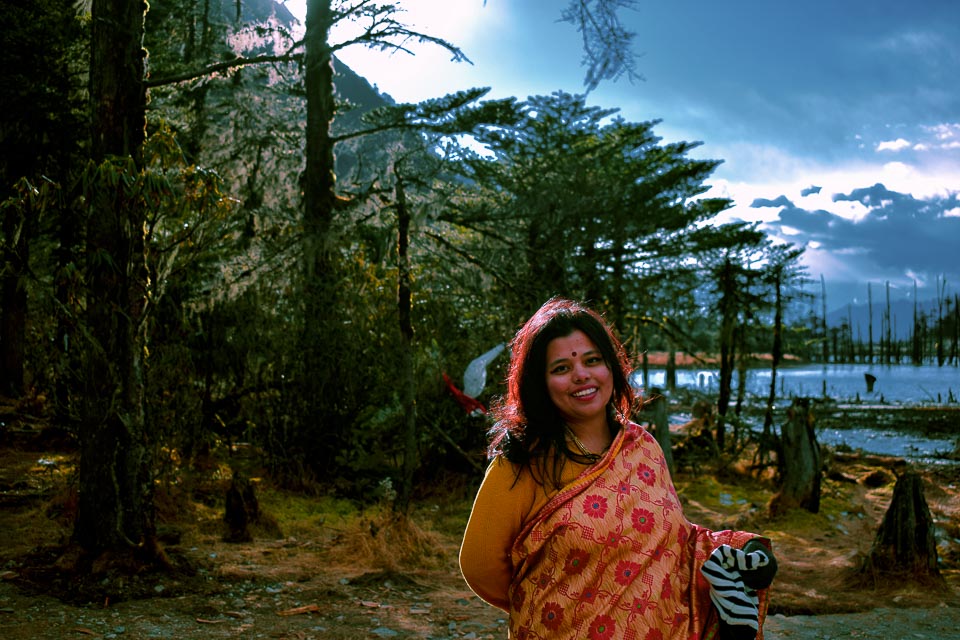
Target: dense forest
{"x":235,"y":238}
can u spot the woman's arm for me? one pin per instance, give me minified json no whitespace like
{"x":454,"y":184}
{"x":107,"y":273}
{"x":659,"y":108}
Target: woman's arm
{"x":501,"y":505}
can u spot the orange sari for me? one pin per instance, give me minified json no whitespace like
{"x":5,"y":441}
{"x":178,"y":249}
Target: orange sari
{"x":612,"y":556}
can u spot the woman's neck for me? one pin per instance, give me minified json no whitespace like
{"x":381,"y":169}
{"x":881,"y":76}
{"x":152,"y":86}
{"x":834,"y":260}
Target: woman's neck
{"x":589,"y":439}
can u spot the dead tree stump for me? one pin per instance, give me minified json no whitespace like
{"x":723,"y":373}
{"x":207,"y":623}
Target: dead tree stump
{"x":905,"y":545}
{"x":242,"y":509}
{"x":801,"y":465}
{"x":661,"y":426}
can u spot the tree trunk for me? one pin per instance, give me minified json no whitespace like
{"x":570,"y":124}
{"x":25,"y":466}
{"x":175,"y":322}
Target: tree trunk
{"x":661,"y":423}
{"x":241,"y":509}
{"x":941,"y":295}
{"x":800,"y":469}
{"x":869,"y":324}
{"x":823,"y":320}
{"x":115,"y":503}
{"x":742,"y":370}
{"x":905,"y":544}
{"x":14,"y":262}
{"x":776,"y":354}
{"x":319,"y":342}
{"x":766,"y":444}
{"x":671,"y":372}
{"x":408,"y":383}
{"x":728,"y":325}
{"x":888,"y":314}
{"x":68,"y":293}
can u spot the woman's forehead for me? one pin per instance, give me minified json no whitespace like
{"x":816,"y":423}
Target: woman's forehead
{"x":576,"y":343}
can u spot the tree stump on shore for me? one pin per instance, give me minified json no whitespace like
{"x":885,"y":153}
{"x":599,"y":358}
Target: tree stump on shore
{"x":801,"y":466}
{"x":241,"y":509}
{"x":661,"y":426}
{"x":905,"y":545}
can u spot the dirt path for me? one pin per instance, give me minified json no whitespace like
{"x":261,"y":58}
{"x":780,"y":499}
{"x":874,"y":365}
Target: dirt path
{"x":319,"y":584}
{"x":375,"y":607}
{"x":938,"y":623}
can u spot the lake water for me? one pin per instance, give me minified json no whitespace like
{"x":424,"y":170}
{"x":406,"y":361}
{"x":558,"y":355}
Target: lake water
{"x":904,"y":384}
{"x":895,"y":384}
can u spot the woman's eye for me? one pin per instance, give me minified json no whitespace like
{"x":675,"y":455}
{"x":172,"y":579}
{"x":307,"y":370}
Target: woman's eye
{"x":559,"y":369}
{"x":594,"y":360}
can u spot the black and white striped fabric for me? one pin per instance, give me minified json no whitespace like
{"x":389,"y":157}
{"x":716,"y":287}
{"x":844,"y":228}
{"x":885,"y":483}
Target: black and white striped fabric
{"x":735,"y":601}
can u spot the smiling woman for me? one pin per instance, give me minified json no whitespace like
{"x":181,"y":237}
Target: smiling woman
{"x":577,"y":530}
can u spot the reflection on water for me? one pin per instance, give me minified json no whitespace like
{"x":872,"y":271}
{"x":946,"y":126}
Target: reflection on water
{"x":897,"y":383}
{"x":887,"y":443}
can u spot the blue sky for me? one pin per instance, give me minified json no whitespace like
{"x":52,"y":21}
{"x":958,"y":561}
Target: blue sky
{"x":838,"y":123}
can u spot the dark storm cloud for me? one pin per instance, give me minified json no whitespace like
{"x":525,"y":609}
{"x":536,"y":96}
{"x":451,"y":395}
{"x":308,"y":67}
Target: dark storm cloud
{"x":782,"y":201}
{"x":810,"y":190}
{"x":814,"y":226}
{"x":873,"y":197}
{"x":899,"y":233}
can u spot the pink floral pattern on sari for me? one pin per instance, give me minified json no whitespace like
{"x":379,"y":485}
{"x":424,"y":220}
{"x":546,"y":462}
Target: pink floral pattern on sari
{"x":613,"y":556}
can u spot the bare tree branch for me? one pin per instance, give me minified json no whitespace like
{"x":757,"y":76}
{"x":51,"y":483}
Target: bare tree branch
{"x":607,"y":43}
{"x":224,"y":66}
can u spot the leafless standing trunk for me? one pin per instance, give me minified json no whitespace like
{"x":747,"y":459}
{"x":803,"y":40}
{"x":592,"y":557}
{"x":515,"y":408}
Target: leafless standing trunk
{"x":869,"y":324}
{"x":800,"y":468}
{"x":408,"y":384}
{"x":661,"y":424}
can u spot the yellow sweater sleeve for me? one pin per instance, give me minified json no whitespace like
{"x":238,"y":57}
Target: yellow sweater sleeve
{"x":504,"y":504}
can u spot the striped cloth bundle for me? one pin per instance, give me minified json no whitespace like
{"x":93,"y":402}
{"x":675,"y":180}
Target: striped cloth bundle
{"x":729,"y":572}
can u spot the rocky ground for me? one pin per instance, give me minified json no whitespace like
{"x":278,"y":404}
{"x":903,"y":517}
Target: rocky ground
{"x":338,"y":577}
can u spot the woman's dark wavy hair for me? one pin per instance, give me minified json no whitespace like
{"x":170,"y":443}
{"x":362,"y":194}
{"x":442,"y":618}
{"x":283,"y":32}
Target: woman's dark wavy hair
{"x":527,"y":425}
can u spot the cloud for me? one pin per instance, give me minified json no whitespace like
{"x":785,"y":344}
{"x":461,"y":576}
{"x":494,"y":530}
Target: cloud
{"x":893,"y":145}
{"x":900,"y":236}
{"x":919,"y":44}
{"x":782,"y":201}
{"x":945,"y":132}
{"x":875,"y":196}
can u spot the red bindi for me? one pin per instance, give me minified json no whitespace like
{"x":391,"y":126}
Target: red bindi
{"x":574,"y":354}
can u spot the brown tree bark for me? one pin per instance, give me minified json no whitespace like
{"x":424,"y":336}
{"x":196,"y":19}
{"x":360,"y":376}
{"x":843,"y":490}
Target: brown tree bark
{"x":408,"y":383}
{"x":320,"y":280}
{"x":801,"y":467}
{"x":661,"y":424}
{"x":776,"y":353}
{"x":241,"y":509}
{"x":728,"y":323}
{"x":115,"y":485}
{"x":14,"y":261}
{"x":905,"y":545}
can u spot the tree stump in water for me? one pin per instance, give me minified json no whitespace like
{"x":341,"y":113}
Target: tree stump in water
{"x":801,"y":465}
{"x":242,"y":509}
{"x":905,"y":545}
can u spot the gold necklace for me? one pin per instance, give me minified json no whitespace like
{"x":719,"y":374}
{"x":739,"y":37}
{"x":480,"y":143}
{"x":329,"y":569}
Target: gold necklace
{"x":586,"y":453}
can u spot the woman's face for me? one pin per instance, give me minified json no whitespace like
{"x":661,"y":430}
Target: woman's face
{"x":578,"y":380}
